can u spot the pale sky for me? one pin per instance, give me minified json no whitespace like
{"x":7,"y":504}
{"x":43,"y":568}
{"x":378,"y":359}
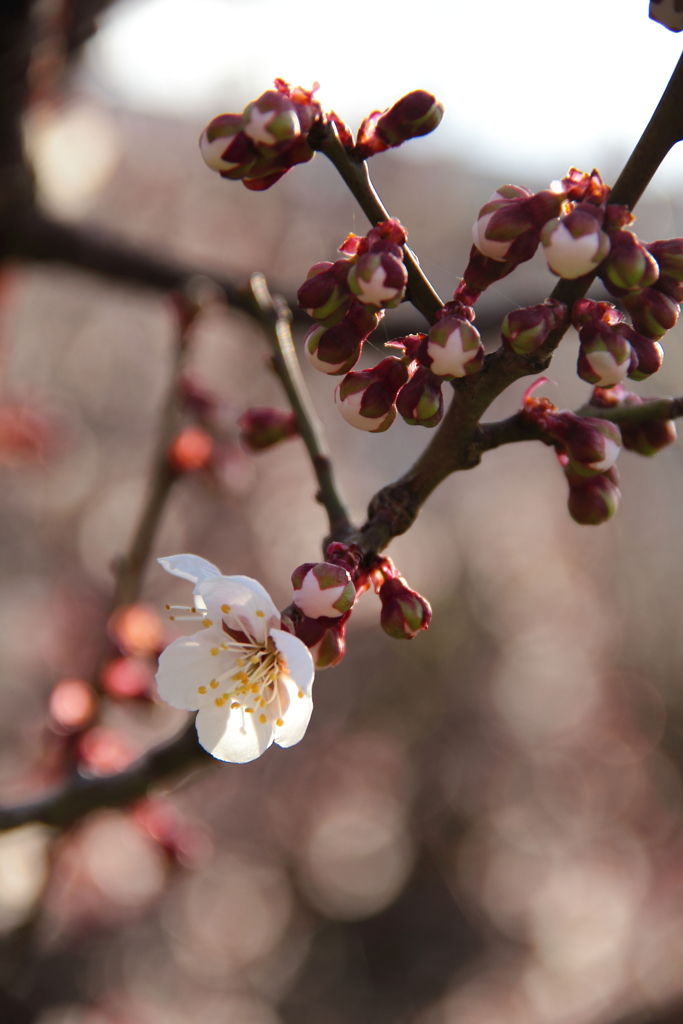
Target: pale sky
{"x":510,"y":72}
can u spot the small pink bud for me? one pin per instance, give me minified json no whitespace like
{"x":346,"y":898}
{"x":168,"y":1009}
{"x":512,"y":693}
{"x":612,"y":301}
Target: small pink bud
{"x":480,"y":273}
{"x":404,"y":611}
{"x":501,"y":221}
{"x":669,"y":256}
{"x":379,"y":279}
{"x":453,"y":348}
{"x":594,"y":501}
{"x":335,"y":350}
{"x":262,"y":428}
{"x":420,"y":401}
{"x":575,"y":245}
{"x":215,"y":140}
{"x":524,"y":330}
{"x":325,"y":640}
{"x":604,"y":355}
{"x":323,"y":590}
{"x":648,"y":438}
{"x":325,"y":295}
{"x":653,"y":313}
{"x":646,"y":355}
{"x":366,"y":399}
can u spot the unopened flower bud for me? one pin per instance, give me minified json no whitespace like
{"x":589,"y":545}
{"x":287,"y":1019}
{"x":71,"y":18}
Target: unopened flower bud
{"x":594,"y":501}
{"x":271,"y":120}
{"x":420,"y":401}
{"x":216,"y":139}
{"x":669,"y":255}
{"x":323,"y":590}
{"x":325,"y":640}
{"x":604,"y":355}
{"x":493,"y":236}
{"x":453,"y":348}
{"x":653,"y":313}
{"x":379,"y":279}
{"x":649,"y":437}
{"x":668,"y":13}
{"x":325,"y":295}
{"x":629,"y":265}
{"x":366,"y":398}
{"x":524,"y":330}
{"x":404,"y":611}
{"x":575,"y":245}
{"x":646,"y":355}
{"x":418,"y":113}
{"x":262,"y":428}
{"x":335,"y":350}
{"x":592,"y":445}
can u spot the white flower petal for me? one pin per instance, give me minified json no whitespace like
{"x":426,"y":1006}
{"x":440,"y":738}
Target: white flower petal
{"x":298,"y":657}
{"x":250,"y":607}
{"x":296,"y":713}
{"x":189,"y":567}
{"x":187,"y":664}
{"x":232,"y":734}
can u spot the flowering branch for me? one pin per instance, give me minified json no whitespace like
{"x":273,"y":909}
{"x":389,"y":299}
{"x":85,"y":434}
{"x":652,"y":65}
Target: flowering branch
{"x":356,"y":176}
{"x":276,"y":316}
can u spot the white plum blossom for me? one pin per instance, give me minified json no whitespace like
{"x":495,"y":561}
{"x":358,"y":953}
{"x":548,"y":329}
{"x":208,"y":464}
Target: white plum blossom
{"x":249,"y":680}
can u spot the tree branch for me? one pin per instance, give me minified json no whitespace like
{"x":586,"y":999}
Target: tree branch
{"x":357,"y":177}
{"x":275,"y":316}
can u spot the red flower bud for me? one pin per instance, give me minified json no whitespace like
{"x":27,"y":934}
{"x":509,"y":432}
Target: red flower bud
{"x":629,"y":265}
{"x":653,"y":313}
{"x":366,"y":399}
{"x":416,"y":114}
{"x":646,"y":355}
{"x":594,"y":501}
{"x":404,"y":611}
{"x":326,"y":640}
{"x":325,"y":295}
{"x":379,"y":279}
{"x":420,"y":401}
{"x":604,"y":354}
{"x":262,"y":428}
{"x":335,"y":350}
{"x":323,"y":590}
{"x":591,"y":445}
{"x":524,"y":330}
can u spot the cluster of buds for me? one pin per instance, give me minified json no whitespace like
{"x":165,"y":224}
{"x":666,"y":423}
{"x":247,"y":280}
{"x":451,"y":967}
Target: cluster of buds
{"x":647,"y":437}
{"x":610,"y":349}
{"x":418,"y":113}
{"x":262,"y":143}
{"x":348,"y":297}
{"x":411,"y":384}
{"x":587,"y":449}
{"x":324,"y":595}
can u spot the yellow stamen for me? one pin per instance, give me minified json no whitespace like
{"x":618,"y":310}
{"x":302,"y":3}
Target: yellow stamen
{"x":249,"y":711}
{"x":168,"y":607}
{"x":225,"y":608}
{"x":208,"y":622}
{"x":262,"y":719}
{"x":300,"y":693}
{"x":214,"y":651}
{"x":261,"y":614}
{"x":219,"y":702}
{"x":213,"y":684}
{"x":234,"y":704}
{"x":201,"y":689}
{"x":280,"y":722}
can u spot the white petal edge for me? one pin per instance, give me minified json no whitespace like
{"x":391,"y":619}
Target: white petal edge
{"x":296,"y":717}
{"x":185,"y":665}
{"x":233,"y":735}
{"x":189,"y":567}
{"x":245,"y":598}
{"x":298,"y":657}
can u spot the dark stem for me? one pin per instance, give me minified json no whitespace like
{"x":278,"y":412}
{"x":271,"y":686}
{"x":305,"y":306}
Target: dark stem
{"x":275,"y":316}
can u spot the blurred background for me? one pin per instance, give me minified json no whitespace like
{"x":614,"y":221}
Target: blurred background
{"x":482,"y":826}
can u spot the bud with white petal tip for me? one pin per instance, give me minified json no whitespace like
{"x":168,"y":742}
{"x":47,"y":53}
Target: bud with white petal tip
{"x":215,"y":140}
{"x":484,"y":231}
{"x":575,"y":245}
{"x":525,"y":330}
{"x":604,"y":355}
{"x":335,"y":350}
{"x":653,"y":313}
{"x":404,"y":611}
{"x":323,"y":590}
{"x":594,"y":501}
{"x":379,"y":279}
{"x":325,"y":295}
{"x":453,"y":347}
{"x":366,"y":399}
{"x":592,"y":445}
{"x":668,"y":13}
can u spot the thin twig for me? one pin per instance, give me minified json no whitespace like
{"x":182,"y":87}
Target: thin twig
{"x":275,"y":316}
{"x":357,"y":177}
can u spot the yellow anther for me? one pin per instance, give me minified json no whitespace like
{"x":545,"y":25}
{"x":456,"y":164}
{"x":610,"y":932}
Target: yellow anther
{"x":261,"y":614}
{"x":280,"y":721}
{"x":255,"y":659}
{"x":219,"y":702}
{"x":208,"y":622}
{"x":213,"y":684}
{"x":214,"y":651}
{"x":234,"y":704}
{"x":262,"y":719}
{"x":300,"y":693}
{"x":256,"y":689}
{"x":226,"y":696}
{"x":172,"y":618}
{"x":201,"y":689}
{"x":168,"y":607}
{"x":240,"y":662}
{"x":249,"y":711}
{"x":193,"y":610}
{"x":225,"y":608}
{"x":224,"y":646}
